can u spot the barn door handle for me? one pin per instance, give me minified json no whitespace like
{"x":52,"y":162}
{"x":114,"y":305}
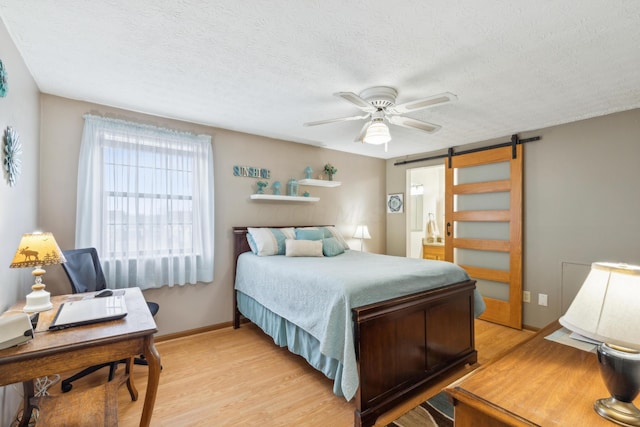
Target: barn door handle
{"x":448,"y":229}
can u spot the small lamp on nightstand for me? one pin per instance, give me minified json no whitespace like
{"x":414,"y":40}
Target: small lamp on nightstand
{"x":362,"y":232}
{"x":37,"y":250}
{"x":606,"y":309}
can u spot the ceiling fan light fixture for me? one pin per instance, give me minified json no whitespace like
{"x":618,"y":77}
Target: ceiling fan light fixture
{"x":377,"y":133}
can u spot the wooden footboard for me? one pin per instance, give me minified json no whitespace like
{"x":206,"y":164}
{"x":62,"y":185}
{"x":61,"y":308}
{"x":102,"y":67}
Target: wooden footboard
{"x":403,"y":343}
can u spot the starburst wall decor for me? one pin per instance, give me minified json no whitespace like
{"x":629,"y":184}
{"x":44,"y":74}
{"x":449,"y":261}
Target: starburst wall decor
{"x":12,"y":152}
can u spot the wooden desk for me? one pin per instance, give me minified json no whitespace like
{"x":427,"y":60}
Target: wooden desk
{"x":53,"y":352}
{"x":540,"y":382}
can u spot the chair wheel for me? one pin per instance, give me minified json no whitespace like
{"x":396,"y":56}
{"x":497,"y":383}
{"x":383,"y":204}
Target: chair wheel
{"x":66,"y":387}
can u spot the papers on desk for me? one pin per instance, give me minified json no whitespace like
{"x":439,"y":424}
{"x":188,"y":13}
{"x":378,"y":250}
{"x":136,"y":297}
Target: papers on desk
{"x":579,"y":337}
{"x":566,"y":337}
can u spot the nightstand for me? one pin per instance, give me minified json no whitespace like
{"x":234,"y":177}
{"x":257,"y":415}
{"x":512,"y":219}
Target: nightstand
{"x":538,"y":383}
{"x":433,"y":251}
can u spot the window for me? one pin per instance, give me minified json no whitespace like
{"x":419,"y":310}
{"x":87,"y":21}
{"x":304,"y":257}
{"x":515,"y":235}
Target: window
{"x":145,"y":201}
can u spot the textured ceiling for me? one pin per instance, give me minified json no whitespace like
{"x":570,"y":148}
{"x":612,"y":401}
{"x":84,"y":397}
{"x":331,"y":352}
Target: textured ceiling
{"x":266,"y":67}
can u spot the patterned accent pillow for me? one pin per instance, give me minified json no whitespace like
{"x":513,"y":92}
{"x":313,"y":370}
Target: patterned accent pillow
{"x":269,"y":241}
{"x":310,"y":248}
{"x":331,"y":247}
{"x":333,"y":232}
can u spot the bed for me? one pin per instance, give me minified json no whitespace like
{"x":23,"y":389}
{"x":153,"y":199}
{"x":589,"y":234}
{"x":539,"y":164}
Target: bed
{"x":380,"y":343}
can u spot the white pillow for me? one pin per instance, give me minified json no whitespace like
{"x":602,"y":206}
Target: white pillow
{"x":303,"y":247}
{"x":269,"y":241}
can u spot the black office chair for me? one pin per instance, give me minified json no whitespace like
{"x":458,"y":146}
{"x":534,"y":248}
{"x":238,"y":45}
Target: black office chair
{"x":85,"y":274}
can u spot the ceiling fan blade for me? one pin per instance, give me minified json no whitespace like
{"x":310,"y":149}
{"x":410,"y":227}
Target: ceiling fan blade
{"x":357,"y":101}
{"x":342,"y":119}
{"x":363,"y":132}
{"x":420,"y":104}
{"x":408,"y":122}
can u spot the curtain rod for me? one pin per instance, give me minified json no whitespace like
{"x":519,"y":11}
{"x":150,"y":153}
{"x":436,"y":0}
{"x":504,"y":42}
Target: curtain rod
{"x":451,"y":152}
{"x":142,"y":125}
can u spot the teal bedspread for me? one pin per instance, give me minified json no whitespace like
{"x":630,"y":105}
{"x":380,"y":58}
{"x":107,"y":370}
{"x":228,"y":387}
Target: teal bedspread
{"x":297,"y":340}
{"x":317,"y":294}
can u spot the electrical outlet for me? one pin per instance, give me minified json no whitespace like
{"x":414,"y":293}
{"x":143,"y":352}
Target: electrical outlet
{"x":526,"y":296}
{"x":542,"y":299}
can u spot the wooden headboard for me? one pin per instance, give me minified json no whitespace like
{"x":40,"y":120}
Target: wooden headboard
{"x":240,"y":244}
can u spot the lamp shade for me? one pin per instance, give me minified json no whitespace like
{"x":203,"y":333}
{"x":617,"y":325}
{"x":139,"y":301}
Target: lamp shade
{"x":377,"y":133}
{"x":37,"y":249}
{"x":607,"y":305}
{"x":362,"y":232}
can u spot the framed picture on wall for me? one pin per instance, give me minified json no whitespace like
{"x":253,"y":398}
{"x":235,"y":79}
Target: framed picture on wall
{"x":395,"y":203}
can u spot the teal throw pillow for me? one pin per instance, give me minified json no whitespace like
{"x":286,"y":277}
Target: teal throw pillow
{"x":331,"y":247}
{"x":309,"y":234}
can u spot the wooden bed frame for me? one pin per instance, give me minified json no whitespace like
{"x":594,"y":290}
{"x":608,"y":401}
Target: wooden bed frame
{"x":402,"y":343}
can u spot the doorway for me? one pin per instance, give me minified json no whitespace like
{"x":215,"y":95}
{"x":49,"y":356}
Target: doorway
{"x":426,"y":190}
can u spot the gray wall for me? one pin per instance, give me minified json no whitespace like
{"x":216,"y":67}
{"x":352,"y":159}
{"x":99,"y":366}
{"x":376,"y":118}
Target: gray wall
{"x":581,"y":205}
{"x":359,"y":200}
{"x":18,"y":204}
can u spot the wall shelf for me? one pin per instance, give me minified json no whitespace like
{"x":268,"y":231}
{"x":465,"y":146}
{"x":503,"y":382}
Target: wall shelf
{"x":319,"y":183}
{"x":284,"y":198}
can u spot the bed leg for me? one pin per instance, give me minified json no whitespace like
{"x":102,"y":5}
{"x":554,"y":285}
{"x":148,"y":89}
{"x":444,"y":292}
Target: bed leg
{"x":367,"y":421}
{"x":236,"y":312}
{"x":236,"y":319}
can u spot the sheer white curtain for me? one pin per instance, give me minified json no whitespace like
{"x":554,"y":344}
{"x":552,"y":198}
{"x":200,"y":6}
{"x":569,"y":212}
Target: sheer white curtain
{"x":145,"y":202}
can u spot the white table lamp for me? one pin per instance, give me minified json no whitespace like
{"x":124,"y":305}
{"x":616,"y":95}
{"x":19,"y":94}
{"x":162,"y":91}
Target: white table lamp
{"x":362,"y":232}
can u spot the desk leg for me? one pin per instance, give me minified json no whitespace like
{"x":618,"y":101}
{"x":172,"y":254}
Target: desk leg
{"x":133,"y":392}
{"x":153,"y":359}
{"x":28,"y":391}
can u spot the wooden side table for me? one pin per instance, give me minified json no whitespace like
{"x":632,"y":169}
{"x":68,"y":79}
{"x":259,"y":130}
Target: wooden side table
{"x":539,"y":383}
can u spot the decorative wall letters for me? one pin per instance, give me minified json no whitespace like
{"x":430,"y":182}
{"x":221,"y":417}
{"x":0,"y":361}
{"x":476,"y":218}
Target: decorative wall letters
{"x":251,"y":172}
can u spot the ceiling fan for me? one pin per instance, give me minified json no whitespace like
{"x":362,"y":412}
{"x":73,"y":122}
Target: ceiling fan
{"x":379,"y":104}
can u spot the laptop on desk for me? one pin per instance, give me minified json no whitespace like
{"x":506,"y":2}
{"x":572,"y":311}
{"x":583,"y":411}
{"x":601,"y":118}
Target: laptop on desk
{"x":89,"y":310}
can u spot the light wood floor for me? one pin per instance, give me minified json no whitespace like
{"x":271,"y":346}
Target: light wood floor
{"x":241,"y":378}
